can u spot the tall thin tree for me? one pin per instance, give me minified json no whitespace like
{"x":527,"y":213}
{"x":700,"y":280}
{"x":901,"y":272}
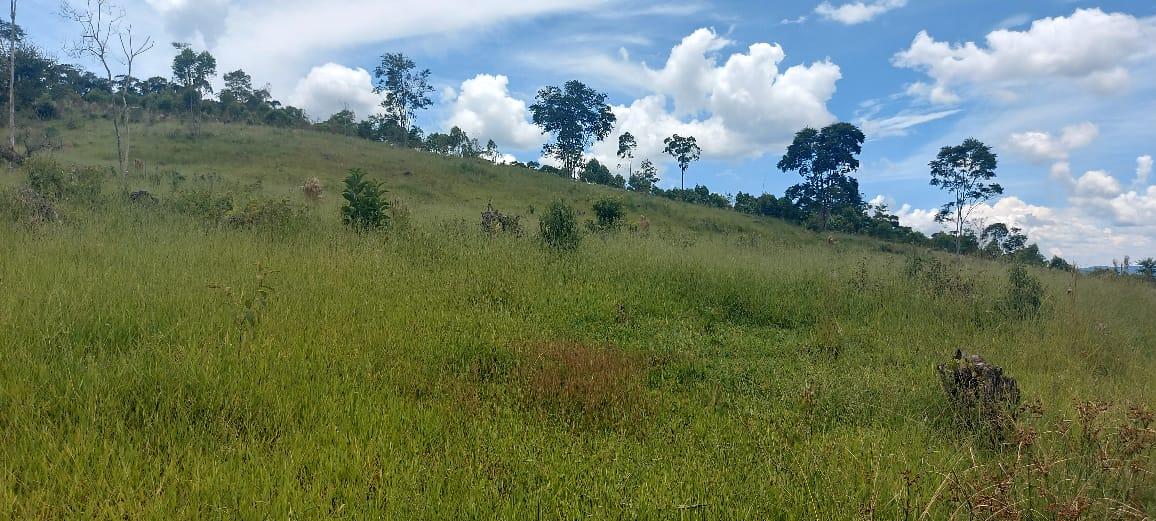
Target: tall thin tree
{"x":964,"y":171}
{"x":12,"y":81}
{"x":99,"y":22}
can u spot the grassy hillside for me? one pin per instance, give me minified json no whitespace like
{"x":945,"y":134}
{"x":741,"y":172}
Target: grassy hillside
{"x":715,"y":367}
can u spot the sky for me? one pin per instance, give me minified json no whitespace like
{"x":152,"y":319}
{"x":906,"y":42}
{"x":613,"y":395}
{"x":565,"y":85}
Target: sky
{"x":1064,"y":91}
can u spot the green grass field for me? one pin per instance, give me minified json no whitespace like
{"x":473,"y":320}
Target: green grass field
{"x":715,"y":367}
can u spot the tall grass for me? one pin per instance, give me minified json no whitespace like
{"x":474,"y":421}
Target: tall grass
{"x":714,"y":367}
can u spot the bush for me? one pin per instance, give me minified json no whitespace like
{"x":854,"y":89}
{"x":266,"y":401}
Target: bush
{"x":46,"y":110}
{"x":273,"y":214}
{"x":51,"y":180}
{"x":558,"y":227}
{"x":364,"y":207}
{"x":201,"y":202}
{"x":1025,"y":293}
{"x":495,"y":222}
{"x":27,"y":206}
{"x":609,"y":214}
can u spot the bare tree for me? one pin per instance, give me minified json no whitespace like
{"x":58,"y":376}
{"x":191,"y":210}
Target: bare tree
{"x":12,"y":81}
{"x":100,"y":22}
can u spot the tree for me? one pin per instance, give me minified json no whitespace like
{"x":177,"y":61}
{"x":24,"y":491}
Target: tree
{"x":645,"y":179}
{"x":406,"y":89}
{"x":12,"y":37}
{"x":684,"y":150}
{"x":576,"y":115}
{"x":99,"y":22}
{"x":964,"y":171}
{"x":1147,"y":269}
{"x":492,"y":154}
{"x":193,"y":70}
{"x":825,"y":159}
{"x":626,"y":147}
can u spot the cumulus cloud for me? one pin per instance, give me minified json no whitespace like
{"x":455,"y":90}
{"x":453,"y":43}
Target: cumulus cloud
{"x":1041,"y":147}
{"x":332,"y":87}
{"x":1143,"y":169}
{"x":1090,"y":46}
{"x":200,"y":21}
{"x":857,"y":12}
{"x":484,"y":109}
{"x":742,"y":106}
{"x":1069,"y":232}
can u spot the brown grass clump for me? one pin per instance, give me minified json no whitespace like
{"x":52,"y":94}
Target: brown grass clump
{"x":583,"y":385}
{"x":313,"y":189}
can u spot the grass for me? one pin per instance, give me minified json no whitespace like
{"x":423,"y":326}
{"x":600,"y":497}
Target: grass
{"x":717,"y":367}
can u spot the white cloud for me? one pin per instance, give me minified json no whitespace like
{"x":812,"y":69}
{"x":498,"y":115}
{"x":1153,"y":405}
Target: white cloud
{"x":1090,"y":46}
{"x":1069,"y":232}
{"x":743,"y":106}
{"x":201,"y":22}
{"x":899,"y":124}
{"x":330,"y":88}
{"x":1042,"y":147}
{"x":279,"y":41}
{"x":484,"y":109}
{"x":1143,"y":169}
{"x":857,"y":12}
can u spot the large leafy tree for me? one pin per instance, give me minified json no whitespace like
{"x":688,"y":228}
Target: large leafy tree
{"x":576,"y":116}
{"x":684,"y":150}
{"x":406,"y":89}
{"x":964,"y":172}
{"x":825,"y":159}
{"x":193,"y":70}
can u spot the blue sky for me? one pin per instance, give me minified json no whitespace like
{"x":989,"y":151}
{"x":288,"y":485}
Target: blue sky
{"x":1062,"y":90}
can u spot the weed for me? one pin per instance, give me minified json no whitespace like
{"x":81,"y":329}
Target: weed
{"x":248,"y":303}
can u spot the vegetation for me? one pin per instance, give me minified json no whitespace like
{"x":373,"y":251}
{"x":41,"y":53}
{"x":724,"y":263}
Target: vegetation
{"x":719,"y":366}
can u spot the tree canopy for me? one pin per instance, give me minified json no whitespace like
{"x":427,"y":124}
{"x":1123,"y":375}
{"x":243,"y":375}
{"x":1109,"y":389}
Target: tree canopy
{"x":576,"y":116}
{"x":825,"y":159}
{"x":964,"y":171}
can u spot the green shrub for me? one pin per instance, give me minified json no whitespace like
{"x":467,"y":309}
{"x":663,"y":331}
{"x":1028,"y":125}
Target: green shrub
{"x":27,"y":206}
{"x":78,"y":183}
{"x":559,"y":227}
{"x":1025,"y":293}
{"x":365,"y":207}
{"x":609,"y":213}
{"x":272,"y":214}
{"x":201,"y":202}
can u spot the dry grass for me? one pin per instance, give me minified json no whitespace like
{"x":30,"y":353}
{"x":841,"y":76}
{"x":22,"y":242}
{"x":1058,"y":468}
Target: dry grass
{"x":583,"y":385}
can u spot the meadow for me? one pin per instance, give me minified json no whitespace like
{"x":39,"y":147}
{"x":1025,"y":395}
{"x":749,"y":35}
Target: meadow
{"x":158,"y":364}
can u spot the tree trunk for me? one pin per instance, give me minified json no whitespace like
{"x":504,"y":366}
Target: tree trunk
{"x":12,"y":81}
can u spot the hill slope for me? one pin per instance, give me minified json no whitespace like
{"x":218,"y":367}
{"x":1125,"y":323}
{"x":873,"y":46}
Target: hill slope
{"x":158,"y":364}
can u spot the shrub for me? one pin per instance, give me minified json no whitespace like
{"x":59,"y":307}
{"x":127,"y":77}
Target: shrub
{"x":558,"y":227}
{"x":46,"y":110}
{"x":275,"y":214}
{"x":1025,"y":293}
{"x":313,"y":189}
{"x":609,"y":214}
{"x":28,"y":206}
{"x":365,"y":207}
{"x":201,"y":202}
{"x":494,"y":222}
{"x":50,"y":179}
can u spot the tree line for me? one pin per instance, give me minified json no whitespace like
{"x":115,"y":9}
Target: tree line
{"x":573,"y":115}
